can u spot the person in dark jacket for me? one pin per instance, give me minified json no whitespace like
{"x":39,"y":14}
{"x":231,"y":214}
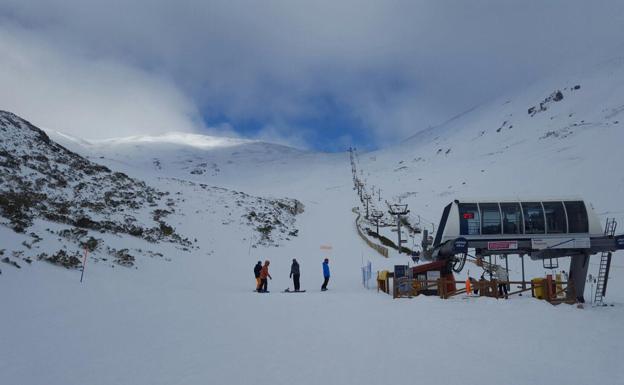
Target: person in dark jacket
{"x":294,"y":273}
{"x":257,"y":269}
{"x":325,"y":274}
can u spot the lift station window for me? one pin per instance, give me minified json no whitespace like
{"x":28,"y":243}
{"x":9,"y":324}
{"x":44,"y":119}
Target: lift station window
{"x":512,"y":218}
{"x":555,"y":217}
{"x":469,"y":219}
{"x":577,"y":217}
{"x":533,"y":218}
{"x":491,"y":218}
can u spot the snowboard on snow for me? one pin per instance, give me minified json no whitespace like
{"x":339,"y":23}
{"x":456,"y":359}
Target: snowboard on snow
{"x":293,"y":291}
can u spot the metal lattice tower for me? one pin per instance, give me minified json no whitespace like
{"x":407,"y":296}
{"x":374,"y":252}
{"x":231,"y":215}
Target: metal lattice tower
{"x":366,"y":199}
{"x":399,"y":210}
{"x":377,"y":215}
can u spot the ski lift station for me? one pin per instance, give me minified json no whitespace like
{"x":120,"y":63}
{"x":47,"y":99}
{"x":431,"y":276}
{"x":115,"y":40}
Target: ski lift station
{"x":544,"y":229}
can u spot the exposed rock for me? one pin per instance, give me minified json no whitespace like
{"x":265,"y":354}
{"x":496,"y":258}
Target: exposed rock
{"x":43,"y":180}
{"x":10,"y":262}
{"x":556,"y":96}
{"x":61,"y":258}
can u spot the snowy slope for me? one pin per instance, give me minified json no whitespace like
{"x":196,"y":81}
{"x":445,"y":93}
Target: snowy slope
{"x":196,"y":320}
{"x":511,"y":148}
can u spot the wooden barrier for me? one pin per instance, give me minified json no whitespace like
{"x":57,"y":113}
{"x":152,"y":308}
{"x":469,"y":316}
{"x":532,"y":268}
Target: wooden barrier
{"x":409,"y":287}
{"x":378,"y":248}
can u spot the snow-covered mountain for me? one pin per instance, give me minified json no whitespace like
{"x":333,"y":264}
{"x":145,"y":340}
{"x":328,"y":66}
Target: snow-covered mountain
{"x":196,"y":320}
{"x":193,"y":156}
{"x":59,"y":203}
{"x":559,"y":137}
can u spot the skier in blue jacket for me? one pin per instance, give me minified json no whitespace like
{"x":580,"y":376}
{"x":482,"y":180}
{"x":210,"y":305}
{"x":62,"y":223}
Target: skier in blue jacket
{"x":325,"y":274}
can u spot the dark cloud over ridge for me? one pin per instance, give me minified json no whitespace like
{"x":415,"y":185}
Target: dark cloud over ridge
{"x":367,"y":71}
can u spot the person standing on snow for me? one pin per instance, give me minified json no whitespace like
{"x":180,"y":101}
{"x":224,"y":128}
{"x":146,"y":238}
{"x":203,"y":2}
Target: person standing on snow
{"x":503,"y":278}
{"x":294,"y":273}
{"x":325,"y":274}
{"x":257,"y":269}
{"x":264,"y":274}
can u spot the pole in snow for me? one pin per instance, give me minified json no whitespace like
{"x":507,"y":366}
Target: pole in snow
{"x":84,"y":263}
{"x":523,"y":281}
{"x":507,"y":271}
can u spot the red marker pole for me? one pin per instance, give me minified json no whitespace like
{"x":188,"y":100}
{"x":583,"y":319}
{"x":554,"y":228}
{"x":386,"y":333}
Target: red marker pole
{"x":84,"y":263}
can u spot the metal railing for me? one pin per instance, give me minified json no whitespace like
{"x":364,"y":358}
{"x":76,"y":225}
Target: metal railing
{"x":548,"y":289}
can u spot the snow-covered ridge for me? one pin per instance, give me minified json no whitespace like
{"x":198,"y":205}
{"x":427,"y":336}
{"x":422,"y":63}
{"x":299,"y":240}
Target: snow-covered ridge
{"x":177,"y":138}
{"x":218,"y":161}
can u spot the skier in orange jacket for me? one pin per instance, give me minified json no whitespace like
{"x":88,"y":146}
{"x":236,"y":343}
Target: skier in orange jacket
{"x":264,"y":274}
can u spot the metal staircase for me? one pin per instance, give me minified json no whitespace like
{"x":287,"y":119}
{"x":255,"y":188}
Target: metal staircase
{"x":605,"y":265}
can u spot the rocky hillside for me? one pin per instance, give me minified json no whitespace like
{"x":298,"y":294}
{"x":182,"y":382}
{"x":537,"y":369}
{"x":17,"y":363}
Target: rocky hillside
{"x":41,"y":179}
{"x":56,"y":204}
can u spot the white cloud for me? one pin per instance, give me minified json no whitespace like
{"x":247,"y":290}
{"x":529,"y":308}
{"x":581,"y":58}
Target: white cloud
{"x":90,"y":98}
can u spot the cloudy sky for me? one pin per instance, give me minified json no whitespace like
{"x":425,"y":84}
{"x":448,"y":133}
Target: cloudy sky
{"x":317,"y":74}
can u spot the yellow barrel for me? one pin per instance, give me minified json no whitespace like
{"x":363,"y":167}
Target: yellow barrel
{"x":382,"y":277}
{"x":538,"y":288}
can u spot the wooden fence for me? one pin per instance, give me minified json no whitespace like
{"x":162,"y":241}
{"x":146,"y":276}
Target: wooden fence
{"x":378,"y":248}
